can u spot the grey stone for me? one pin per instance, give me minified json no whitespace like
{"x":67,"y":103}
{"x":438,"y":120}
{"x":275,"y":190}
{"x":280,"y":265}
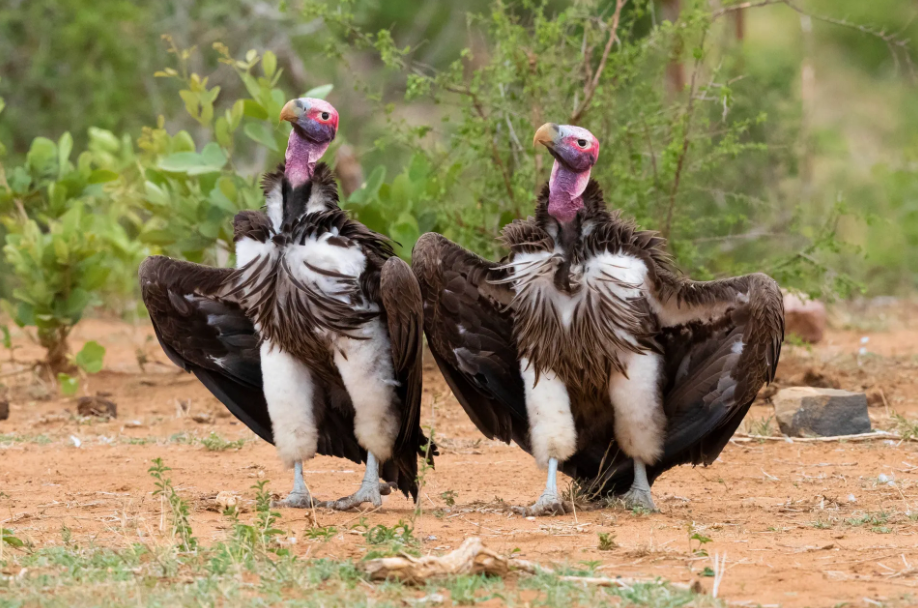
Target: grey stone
{"x":804,"y":410}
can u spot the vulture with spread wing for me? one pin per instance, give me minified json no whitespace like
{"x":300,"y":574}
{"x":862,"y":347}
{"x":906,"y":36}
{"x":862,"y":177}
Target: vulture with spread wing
{"x":586,"y":347}
{"x":314,"y":339}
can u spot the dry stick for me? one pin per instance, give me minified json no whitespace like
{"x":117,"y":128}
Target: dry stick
{"x":590,"y":87}
{"x":745,"y":438}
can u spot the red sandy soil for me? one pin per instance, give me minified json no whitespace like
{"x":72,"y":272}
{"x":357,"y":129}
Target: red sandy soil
{"x":786,"y":515}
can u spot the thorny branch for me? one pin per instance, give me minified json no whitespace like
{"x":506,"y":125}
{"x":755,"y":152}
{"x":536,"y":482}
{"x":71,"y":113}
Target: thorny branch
{"x":590,"y":87}
{"x":893,"y":42}
{"x":667,"y":226}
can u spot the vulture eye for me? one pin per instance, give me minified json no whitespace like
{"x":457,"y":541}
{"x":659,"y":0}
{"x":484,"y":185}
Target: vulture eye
{"x":582,"y":143}
{"x":325,"y":115}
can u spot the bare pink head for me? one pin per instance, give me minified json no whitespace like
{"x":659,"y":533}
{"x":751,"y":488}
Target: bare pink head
{"x":315,"y":123}
{"x":575,"y":151}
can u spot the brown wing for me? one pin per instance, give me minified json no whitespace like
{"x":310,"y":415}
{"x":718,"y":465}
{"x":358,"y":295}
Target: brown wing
{"x":470,"y":333}
{"x":721,"y":344}
{"x":207,"y":335}
{"x":401,"y":301}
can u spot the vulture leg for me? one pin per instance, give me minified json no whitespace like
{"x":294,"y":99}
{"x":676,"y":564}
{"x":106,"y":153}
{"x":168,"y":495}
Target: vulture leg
{"x":299,"y":497}
{"x":551,"y":432}
{"x":369,"y":490}
{"x":640,"y":422}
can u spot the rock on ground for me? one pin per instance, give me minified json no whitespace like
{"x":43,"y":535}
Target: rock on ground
{"x":804,"y":410}
{"x":97,"y":406}
{"x":805,"y":319}
{"x":4,"y":409}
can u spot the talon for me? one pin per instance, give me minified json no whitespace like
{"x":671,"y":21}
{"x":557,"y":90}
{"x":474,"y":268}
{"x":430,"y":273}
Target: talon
{"x":546,"y":505}
{"x":639,"y":498}
{"x":296,"y":500}
{"x":372,"y":494}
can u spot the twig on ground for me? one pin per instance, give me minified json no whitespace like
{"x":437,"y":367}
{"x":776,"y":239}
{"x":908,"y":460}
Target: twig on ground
{"x":745,"y":438}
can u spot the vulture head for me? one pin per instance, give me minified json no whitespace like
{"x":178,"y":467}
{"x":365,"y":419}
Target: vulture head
{"x":575,"y":151}
{"x":315,"y":123}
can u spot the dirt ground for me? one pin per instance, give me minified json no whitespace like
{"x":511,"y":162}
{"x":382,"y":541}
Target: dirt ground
{"x":800,"y":524}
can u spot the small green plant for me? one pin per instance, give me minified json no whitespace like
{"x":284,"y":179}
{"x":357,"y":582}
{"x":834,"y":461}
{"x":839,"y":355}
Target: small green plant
{"x":760,"y":427}
{"x":697,"y":537}
{"x":907,"y":429}
{"x":88,"y":361}
{"x":178,"y":508}
{"x":821,"y":525}
{"x":386,"y":541}
{"x":323,"y":533}
{"x":607,"y":541}
{"x":216,"y":443}
{"x":465,"y":590}
{"x":449,"y":497}
{"x":11,"y":540}
{"x":426,"y":467}
{"x":708,"y":571}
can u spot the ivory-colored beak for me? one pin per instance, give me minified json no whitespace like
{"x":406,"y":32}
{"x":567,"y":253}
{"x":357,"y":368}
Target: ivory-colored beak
{"x":546,"y":135}
{"x":291,"y":112}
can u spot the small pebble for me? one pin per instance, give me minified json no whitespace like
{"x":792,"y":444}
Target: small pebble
{"x":852,"y":498}
{"x":882,"y":478}
{"x":75,"y":441}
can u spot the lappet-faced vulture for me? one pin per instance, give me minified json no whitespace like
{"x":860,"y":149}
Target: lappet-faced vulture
{"x":586,"y":347}
{"x":314,"y":339}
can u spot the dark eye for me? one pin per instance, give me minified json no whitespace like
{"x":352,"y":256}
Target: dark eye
{"x":325,"y":115}
{"x":582,"y":143}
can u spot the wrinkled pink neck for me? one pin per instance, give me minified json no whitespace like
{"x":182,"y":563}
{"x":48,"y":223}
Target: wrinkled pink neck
{"x":565,"y":190}
{"x":302,"y":156}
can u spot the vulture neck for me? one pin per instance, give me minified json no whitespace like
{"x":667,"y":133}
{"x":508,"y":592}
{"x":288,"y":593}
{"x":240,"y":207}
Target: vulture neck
{"x":301,"y":158}
{"x":565,"y":192}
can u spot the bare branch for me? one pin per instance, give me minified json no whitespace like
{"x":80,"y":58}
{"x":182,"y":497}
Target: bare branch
{"x":590,"y":87}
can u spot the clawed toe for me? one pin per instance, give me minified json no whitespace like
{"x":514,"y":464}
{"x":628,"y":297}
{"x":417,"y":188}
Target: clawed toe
{"x":386,"y":488}
{"x":296,"y":500}
{"x":545,"y":506}
{"x":370,"y":495}
{"x":641,"y":499}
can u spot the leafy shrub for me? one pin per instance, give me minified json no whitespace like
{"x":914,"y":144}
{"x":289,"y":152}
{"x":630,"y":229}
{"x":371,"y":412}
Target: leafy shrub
{"x":64,"y":238}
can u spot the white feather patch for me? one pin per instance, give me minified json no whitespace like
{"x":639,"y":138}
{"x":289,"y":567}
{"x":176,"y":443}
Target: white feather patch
{"x":289,"y":392}
{"x":639,"y":418}
{"x":248,"y":249}
{"x":366,"y":368}
{"x":318,"y":253}
{"x":551,"y":426}
{"x":274,"y":205}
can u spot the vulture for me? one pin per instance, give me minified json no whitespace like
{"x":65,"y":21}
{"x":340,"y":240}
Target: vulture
{"x":314,"y":339}
{"x":587,"y":348}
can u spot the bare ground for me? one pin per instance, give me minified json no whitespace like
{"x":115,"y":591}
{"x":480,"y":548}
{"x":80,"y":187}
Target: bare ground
{"x":801,"y":524}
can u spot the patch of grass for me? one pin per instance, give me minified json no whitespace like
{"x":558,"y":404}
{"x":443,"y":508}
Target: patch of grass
{"x":385,"y":541}
{"x":216,"y":443}
{"x":867,"y":518}
{"x":468,"y":590}
{"x":760,"y":426}
{"x":821,"y":525}
{"x":906,"y":428}
{"x":607,"y":541}
{"x":181,"y":527}
{"x":20,"y":438}
{"x":325,"y":533}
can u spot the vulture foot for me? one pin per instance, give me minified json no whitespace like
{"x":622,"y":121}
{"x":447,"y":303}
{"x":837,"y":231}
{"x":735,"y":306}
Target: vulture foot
{"x":386,"y":487}
{"x":639,"y":498}
{"x":296,"y":500}
{"x":548,"y":504}
{"x":367,"y":493}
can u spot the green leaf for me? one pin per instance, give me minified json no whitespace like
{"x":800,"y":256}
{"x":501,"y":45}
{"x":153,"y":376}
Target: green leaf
{"x":42,"y":153}
{"x":7,"y":338}
{"x":211,"y":160}
{"x":10,"y":539}
{"x":64,"y":148}
{"x":253,"y":109}
{"x":69,"y":384}
{"x":90,"y":357}
{"x":319,"y":92}
{"x":269,"y":63}
{"x":101,"y":176}
{"x":262,"y":134}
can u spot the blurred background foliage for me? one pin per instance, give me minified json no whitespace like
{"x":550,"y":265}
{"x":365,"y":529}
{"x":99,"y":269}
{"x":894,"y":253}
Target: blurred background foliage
{"x":774,"y":138}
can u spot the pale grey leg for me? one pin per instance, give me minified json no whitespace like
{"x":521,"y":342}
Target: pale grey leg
{"x":549,"y":503}
{"x":299,"y":497}
{"x":368,"y":492}
{"x":639,"y":494}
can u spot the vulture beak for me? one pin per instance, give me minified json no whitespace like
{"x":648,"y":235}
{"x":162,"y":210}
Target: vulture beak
{"x":546,"y":135}
{"x":292,"y":111}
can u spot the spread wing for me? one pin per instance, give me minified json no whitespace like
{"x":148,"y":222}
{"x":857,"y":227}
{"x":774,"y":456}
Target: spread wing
{"x":401,"y":300}
{"x":207,"y":335}
{"x":721,"y":341}
{"x":470,"y":333}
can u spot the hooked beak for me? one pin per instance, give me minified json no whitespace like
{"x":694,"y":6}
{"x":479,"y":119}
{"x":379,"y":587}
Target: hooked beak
{"x":546,"y":135}
{"x":291,"y":111}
